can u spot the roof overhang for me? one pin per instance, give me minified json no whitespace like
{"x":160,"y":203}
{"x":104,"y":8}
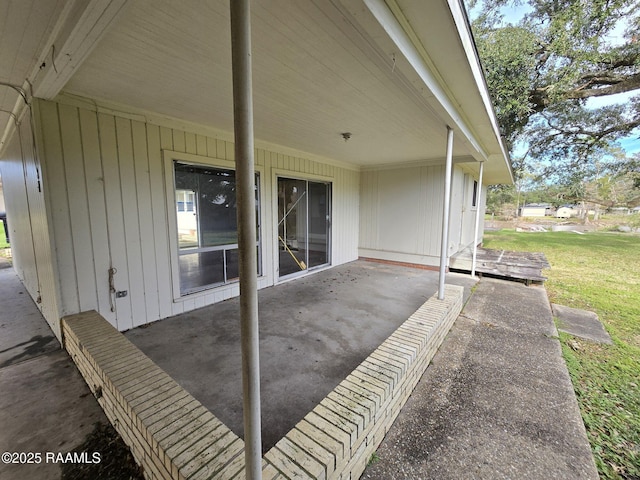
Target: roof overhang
{"x":393,"y":73}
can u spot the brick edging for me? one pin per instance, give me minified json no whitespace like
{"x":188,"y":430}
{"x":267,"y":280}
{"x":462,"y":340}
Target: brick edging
{"x":173,"y":436}
{"x":337,"y":438}
{"x":170,"y":433}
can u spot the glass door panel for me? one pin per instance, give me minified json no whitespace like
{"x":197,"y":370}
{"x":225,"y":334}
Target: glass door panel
{"x":304,"y":214}
{"x":292,"y":225}
{"x":319,"y":215}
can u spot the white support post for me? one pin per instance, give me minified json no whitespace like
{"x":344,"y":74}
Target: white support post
{"x":478,"y":209}
{"x":446,"y":213}
{"x":248,"y":262}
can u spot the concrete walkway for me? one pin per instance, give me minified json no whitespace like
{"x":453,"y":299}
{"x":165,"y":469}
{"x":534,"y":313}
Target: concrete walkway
{"x":497,"y":401}
{"x":45,"y":405}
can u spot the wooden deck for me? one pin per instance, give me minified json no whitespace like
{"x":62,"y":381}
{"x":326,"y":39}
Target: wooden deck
{"x":522,"y":266}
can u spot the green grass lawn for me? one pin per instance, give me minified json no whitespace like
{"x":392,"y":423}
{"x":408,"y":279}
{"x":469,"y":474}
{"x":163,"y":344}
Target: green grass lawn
{"x":3,"y":238}
{"x":598,"y":272}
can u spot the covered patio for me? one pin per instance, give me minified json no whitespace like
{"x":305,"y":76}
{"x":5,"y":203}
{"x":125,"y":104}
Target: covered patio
{"x":313,"y":333}
{"x":173,"y":435}
{"x":171,"y":149}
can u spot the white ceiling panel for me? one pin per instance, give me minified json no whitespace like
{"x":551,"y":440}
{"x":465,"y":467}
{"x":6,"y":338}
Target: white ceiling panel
{"x":320,"y":68}
{"x":25,"y":26}
{"x":311,"y":81}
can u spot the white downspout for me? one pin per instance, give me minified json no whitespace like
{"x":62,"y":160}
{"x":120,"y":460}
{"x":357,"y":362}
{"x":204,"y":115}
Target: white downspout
{"x":477,"y":227}
{"x":248,"y":262}
{"x":446,"y":213}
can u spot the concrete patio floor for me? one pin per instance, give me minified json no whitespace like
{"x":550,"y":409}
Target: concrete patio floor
{"x":313,"y":332}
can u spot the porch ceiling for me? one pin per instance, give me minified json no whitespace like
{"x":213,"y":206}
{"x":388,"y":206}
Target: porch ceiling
{"x":320,"y":68}
{"x":25,"y":26}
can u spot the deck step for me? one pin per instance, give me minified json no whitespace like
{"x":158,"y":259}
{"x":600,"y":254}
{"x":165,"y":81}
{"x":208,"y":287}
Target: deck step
{"x":526,"y":266}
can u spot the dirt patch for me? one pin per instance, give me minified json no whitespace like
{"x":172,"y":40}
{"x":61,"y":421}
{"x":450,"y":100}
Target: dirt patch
{"x":115,"y":459}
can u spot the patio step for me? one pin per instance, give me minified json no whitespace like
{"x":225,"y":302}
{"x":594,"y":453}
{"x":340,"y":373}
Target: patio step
{"x":174,"y":437}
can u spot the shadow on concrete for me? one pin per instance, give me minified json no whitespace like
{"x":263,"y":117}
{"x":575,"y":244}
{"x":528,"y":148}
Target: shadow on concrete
{"x":45,"y":405}
{"x":36,"y":345}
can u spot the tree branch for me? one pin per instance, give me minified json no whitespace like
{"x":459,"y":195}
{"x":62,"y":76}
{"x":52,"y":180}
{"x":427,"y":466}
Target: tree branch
{"x":616,"y":85}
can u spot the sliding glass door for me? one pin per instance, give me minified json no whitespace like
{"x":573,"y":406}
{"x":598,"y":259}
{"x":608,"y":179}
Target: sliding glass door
{"x":304,"y":221}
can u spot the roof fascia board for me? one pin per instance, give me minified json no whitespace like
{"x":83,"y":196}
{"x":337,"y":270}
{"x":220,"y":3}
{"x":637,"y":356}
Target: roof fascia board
{"x":418,"y":61}
{"x":78,"y":30}
{"x":461,"y":21}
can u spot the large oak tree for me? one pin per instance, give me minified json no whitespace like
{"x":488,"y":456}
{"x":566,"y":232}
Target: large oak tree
{"x":544,"y":72}
{"x":543,"y":69}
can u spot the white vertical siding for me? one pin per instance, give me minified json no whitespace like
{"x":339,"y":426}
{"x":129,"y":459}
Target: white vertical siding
{"x":457,"y":210}
{"x":60,"y":213}
{"x":145,"y":221}
{"x":108,"y":190}
{"x":399,"y":193}
{"x":114,"y":210}
{"x":18,"y":215}
{"x":482,"y":204}
{"x":401,"y":213}
{"x":31,"y":248}
{"x":76,"y":200}
{"x":157,"y":232}
{"x":346,"y":187}
{"x":97,"y":211}
{"x":369,"y":228}
{"x":431,"y":215}
{"x":468,"y":213}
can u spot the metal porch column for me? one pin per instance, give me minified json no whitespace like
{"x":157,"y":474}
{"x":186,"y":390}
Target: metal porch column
{"x":478,"y":208}
{"x":248,"y":262}
{"x":446,"y":213}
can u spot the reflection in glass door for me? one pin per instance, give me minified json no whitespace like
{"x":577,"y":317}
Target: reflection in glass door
{"x":207,"y":226}
{"x":304,"y":217}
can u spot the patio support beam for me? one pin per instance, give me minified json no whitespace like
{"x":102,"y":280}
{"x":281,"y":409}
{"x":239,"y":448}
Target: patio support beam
{"x":248,"y":262}
{"x":77,"y":31}
{"x":446,"y":213}
{"x":477,"y":226}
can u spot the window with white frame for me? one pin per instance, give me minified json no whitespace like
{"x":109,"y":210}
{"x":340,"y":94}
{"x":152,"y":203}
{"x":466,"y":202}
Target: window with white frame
{"x":206,"y":210}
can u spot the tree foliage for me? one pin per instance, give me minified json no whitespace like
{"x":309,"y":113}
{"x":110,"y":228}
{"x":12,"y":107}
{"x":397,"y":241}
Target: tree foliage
{"x":542,"y":70}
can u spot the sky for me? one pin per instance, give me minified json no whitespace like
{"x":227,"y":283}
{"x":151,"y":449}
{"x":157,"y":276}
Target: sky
{"x":630,"y":145}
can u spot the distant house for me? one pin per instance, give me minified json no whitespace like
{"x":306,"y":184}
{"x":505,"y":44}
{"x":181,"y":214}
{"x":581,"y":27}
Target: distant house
{"x":566,"y":211}
{"x":535,"y":210}
{"x":620,"y":210}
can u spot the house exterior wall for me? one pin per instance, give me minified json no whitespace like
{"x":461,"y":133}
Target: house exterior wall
{"x":28,"y":221}
{"x":2,"y":207}
{"x":401,"y":213}
{"x":469,"y":212}
{"x":92,"y":211}
{"x":110,"y":201}
{"x":533,"y":211}
{"x":565,"y":212}
{"x":457,"y":217}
